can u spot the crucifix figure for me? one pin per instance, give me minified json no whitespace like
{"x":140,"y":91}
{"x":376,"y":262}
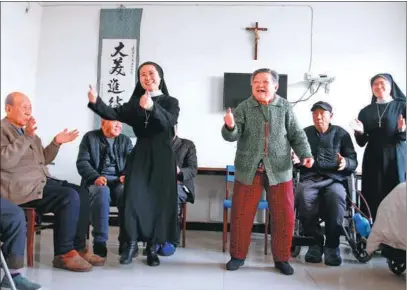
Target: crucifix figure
{"x":256,"y":30}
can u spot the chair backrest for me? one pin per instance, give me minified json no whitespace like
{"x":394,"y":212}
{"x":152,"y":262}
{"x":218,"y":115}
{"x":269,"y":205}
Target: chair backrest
{"x":230,"y":179}
{"x":230,"y":173}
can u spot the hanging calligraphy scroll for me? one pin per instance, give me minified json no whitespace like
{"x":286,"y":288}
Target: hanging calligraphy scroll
{"x":119,"y":41}
{"x":117,"y":71}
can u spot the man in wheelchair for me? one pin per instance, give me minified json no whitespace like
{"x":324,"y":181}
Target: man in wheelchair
{"x":322,"y":188}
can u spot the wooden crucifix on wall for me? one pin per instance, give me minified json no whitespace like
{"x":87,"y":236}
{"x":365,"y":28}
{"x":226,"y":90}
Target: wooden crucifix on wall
{"x":256,"y":30}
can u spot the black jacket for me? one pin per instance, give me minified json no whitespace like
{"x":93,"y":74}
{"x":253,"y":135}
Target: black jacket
{"x":92,"y":151}
{"x":185,"y":152}
{"x":324,"y":148}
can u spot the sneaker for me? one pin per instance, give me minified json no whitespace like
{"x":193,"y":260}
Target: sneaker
{"x":21,"y":283}
{"x":314,"y":254}
{"x":284,"y":267}
{"x":332,"y":257}
{"x":234,"y":264}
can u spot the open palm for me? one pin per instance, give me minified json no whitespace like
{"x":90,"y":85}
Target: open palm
{"x":65,"y":136}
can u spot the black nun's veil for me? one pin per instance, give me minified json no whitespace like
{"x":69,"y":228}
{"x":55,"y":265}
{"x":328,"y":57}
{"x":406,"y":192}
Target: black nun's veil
{"x":396,"y":93}
{"x":139,"y":90}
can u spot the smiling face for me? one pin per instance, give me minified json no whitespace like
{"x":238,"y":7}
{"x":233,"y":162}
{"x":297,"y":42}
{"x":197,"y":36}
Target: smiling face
{"x":149,"y":78}
{"x":381,"y":88}
{"x":263,"y":86}
{"x":111,"y":129}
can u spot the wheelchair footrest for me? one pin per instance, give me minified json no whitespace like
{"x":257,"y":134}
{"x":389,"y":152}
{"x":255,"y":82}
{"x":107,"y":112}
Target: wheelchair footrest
{"x":303,"y":241}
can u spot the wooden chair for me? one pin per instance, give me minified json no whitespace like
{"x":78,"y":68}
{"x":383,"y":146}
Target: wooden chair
{"x":34,"y":225}
{"x":183,"y":219}
{"x":227,"y":204}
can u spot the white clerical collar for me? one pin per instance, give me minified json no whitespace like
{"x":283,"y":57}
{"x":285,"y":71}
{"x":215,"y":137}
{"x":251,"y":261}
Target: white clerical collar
{"x":156,"y":93}
{"x":382,"y":101}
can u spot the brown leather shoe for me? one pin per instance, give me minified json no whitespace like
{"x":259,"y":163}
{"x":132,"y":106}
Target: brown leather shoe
{"x":92,"y":259}
{"x":71,"y":261}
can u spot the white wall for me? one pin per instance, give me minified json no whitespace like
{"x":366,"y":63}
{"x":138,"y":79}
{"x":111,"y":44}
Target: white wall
{"x":197,"y":44}
{"x":20,"y":38}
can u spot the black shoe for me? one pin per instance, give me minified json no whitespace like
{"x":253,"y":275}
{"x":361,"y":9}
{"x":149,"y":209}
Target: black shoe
{"x":100,"y":249}
{"x":284,"y":268}
{"x":332,"y":257}
{"x":128,"y":253}
{"x":234,"y":264}
{"x":314,"y":254}
{"x":152,"y":257}
{"x":122,"y":247}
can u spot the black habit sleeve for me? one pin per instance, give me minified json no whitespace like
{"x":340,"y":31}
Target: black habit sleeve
{"x":167,"y":113}
{"x":124,"y":113}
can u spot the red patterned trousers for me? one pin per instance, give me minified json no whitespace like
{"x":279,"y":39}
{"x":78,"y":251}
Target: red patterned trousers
{"x":245,"y":201}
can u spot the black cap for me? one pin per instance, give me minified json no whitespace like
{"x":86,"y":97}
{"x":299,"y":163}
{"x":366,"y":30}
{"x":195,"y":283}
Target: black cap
{"x":322,"y":105}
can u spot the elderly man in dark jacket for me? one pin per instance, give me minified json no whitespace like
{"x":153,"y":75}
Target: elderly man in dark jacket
{"x":185,"y":153}
{"x":335,"y":160}
{"x":101,"y":163}
{"x":187,"y":168}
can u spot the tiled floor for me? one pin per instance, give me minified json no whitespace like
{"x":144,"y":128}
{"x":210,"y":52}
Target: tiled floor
{"x":200,"y":266}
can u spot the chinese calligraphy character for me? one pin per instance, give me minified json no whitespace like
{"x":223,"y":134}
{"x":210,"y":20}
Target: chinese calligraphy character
{"x":113,"y":103}
{"x":114,"y":87}
{"x":118,"y":49}
{"x":117,"y":67}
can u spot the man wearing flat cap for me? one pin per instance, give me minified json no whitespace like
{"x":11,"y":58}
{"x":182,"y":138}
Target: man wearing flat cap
{"x":322,"y":188}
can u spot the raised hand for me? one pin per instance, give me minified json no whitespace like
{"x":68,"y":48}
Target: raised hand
{"x":31,"y":127}
{"x":65,"y":136}
{"x":229,"y":119}
{"x":357,"y":126}
{"x":341,"y":162}
{"x":145,"y":101}
{"x":92,"y":95}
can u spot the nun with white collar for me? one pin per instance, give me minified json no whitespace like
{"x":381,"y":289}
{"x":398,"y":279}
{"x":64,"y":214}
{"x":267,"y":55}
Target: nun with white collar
{"x":382,"y":126}
{"x":150,"y":188}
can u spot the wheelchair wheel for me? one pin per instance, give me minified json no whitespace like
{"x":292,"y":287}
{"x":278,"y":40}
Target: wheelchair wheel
{"x":360,"y":252}
{"x":295,"y":251}
{"x":397,"y":266}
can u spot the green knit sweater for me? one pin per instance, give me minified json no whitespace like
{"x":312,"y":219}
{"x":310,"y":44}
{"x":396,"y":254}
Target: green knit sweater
{"x":284,"y":133}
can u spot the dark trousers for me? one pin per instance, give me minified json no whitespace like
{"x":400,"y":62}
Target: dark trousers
{"x":320,"y":196}
{"x":182,"y":198}
{"x":245,"y":201}
{"x":13,"y":231}
{"x":100,"y":200}
{"x":70,"y":205}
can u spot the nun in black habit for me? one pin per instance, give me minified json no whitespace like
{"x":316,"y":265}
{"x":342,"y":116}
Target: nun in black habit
{"x":383,"y":130}
{"x":150,"y":188}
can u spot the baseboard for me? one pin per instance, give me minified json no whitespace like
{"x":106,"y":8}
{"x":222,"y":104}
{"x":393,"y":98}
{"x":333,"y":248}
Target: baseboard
{"x":201,"y":226}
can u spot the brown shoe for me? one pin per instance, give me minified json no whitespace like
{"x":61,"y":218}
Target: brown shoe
{"x":71,"y":261}
{"x":92,"y":259}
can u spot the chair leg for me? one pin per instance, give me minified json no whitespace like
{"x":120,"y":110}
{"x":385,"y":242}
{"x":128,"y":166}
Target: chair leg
{"x":225,"y":229}
{"x":30,"y":237}
{"x":266,"y":232}
{"x":7,"y":271}
{"x":184,"y":223}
